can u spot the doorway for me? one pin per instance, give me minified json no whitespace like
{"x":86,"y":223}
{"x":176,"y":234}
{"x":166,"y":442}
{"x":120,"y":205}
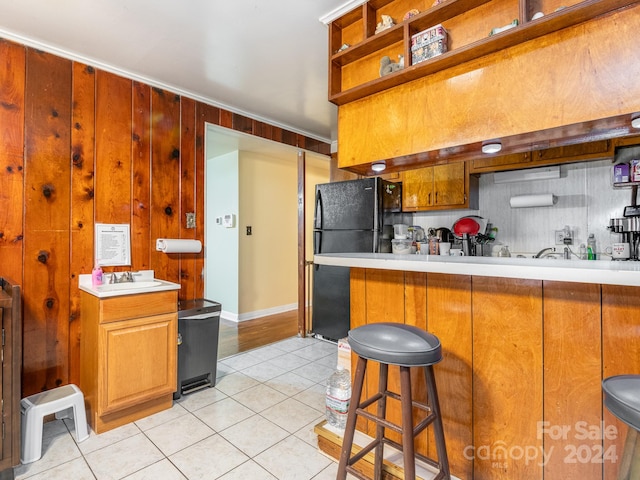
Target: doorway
{"x":251,"y":216}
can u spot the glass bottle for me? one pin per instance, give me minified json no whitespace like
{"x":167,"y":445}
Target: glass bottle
{"x":504,"y":251}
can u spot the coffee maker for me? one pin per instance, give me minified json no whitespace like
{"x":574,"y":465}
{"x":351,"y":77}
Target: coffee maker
{"x":629,"y":229}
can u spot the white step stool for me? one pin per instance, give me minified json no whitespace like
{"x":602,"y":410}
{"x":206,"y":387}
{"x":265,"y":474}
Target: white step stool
{"x":34,"y":408}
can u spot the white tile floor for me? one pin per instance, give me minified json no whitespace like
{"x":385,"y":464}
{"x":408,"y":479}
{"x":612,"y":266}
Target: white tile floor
{"x":255,"y":424}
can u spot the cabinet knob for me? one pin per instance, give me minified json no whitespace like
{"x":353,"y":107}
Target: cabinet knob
{"x":179,"y":339}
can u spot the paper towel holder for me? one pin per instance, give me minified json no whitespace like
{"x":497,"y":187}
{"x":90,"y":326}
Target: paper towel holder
{"x":535,"y":200}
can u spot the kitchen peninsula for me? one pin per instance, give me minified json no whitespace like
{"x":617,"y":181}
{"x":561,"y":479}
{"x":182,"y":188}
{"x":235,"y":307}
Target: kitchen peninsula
{"x":526,"y":345}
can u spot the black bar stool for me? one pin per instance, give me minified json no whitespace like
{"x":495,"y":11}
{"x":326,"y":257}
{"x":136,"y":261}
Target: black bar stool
{"x":405,"y":346}
{"x":622,"y":398}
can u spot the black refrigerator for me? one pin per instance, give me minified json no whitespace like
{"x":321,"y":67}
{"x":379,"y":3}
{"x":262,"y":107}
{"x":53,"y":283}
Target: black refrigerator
{"x":350,"y":217}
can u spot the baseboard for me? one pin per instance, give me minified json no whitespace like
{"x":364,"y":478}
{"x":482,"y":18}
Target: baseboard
{"x":243,"y":317}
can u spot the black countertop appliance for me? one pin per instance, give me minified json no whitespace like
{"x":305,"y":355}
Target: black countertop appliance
{"x":198,"y":333}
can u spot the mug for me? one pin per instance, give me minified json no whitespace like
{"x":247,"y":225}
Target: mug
{"x":619,"y":251}
{"x":445,"y":248}
{"x":456,"y":252}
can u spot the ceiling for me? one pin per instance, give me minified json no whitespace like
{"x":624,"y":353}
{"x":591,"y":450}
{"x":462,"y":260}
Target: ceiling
{"x":266,"y":60}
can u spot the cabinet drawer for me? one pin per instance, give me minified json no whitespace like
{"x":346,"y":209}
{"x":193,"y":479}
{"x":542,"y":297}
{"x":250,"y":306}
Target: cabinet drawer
{"x":142,"y":305}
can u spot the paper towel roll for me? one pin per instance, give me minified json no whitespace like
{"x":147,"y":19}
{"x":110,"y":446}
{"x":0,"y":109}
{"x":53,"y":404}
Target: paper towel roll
{"x":541,"y":200}
{"x":177,"y":245}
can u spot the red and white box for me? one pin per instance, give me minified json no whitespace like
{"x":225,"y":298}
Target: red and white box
{"x":428,"y":44}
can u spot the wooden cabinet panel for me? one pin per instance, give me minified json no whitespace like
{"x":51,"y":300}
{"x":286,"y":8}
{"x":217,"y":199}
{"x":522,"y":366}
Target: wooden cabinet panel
{"x":137,"y":361}
{"x":502,"y":162}
{"x":507,"y":386}
{"x":449,"y":184}
{"x":437,"y":188}
{"x":574,"y":153}
{"x":572,"y":377}
{"x":620,"y":354}
{"x":417,"y":189}
{"x":540,"y":158}
{"x":129,"y":306}
{"x":384,"y":293}
{"x":449,"y":318}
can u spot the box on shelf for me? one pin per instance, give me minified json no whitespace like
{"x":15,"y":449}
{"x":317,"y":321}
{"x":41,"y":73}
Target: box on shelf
{"x":620,"y":173}
{"x":428,"y":43}
{"x":634,"y":171}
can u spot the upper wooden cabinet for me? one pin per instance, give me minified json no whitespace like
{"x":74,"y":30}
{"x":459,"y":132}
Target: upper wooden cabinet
{"x":539,"y":158}
{"x":354,"y":72}
{"x":441,"y":187}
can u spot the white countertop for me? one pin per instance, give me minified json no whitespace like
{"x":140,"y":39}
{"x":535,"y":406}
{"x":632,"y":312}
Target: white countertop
{"x":582,"y":271}
{"x":144,"y":282}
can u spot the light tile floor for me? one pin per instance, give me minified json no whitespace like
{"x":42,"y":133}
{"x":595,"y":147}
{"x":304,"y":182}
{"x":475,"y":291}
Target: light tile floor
{"x":255,"y":424}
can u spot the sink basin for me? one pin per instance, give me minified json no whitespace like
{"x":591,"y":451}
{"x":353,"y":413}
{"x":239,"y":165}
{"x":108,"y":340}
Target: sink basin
{"x":109,"y":287}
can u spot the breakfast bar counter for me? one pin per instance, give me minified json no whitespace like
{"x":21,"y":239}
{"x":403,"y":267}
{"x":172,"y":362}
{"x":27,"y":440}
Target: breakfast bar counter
{"x":583,"y":271}
{"x":526,"y":345}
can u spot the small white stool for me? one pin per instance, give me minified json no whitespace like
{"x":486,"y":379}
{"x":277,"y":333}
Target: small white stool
{"x":34,"y":408}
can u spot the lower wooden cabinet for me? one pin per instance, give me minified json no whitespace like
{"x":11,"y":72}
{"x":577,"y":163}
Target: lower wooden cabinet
{"x":523,"y":361}
{"x":441,"y":187}
{"x":128,"y":356}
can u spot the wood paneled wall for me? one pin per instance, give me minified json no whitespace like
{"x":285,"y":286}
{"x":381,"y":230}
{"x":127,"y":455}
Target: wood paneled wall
{"x":80,"y":146}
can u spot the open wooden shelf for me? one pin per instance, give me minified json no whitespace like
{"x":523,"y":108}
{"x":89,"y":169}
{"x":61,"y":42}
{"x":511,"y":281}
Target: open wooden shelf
{"x":561,"y":19}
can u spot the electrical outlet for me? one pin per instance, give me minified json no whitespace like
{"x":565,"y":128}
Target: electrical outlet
{"x":248,"y":229}
{"x":564,"y":237}
{"x":559,"y":237}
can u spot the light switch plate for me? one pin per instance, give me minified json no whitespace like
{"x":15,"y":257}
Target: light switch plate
{"x":191,"y":220}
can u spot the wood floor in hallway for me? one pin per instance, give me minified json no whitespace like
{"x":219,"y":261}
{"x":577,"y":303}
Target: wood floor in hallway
{"x":236,"y":337}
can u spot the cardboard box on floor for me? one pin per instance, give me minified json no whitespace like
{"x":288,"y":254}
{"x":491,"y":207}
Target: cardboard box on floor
{"x":344,"y":353}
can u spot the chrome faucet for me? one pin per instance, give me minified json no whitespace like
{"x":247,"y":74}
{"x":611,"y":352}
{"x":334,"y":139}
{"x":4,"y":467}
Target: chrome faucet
{"x":126,"y":277}
{"x":544,"y":252}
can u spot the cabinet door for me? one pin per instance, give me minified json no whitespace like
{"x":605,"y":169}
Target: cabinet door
{"x":448,"y":184}
{"x":137,"y":361}
{"x":417,"y":189}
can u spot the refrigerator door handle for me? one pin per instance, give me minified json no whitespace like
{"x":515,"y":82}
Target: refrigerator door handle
{"x":317,"y":245}
{"x":318,"y":211}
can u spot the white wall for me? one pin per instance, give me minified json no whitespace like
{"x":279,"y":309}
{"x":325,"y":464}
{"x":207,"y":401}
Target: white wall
{"x":221,"y":244}
{"x":586,"y":202}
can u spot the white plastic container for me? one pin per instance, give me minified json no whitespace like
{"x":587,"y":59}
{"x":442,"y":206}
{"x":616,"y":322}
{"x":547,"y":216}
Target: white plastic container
{"x":400,"y":231}
{"x":401,"y":247}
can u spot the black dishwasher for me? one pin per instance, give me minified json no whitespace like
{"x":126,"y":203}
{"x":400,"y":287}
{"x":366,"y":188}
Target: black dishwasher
{"x":198,"y":332}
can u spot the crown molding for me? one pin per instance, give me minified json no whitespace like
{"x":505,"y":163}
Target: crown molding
{"x":341,"y":10}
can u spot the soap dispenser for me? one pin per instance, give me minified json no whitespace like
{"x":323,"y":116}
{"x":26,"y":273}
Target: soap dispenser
{"x":96,"y":276}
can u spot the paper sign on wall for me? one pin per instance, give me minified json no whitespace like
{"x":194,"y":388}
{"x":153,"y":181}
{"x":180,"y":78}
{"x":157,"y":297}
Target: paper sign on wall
{"x":113,"y":244}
